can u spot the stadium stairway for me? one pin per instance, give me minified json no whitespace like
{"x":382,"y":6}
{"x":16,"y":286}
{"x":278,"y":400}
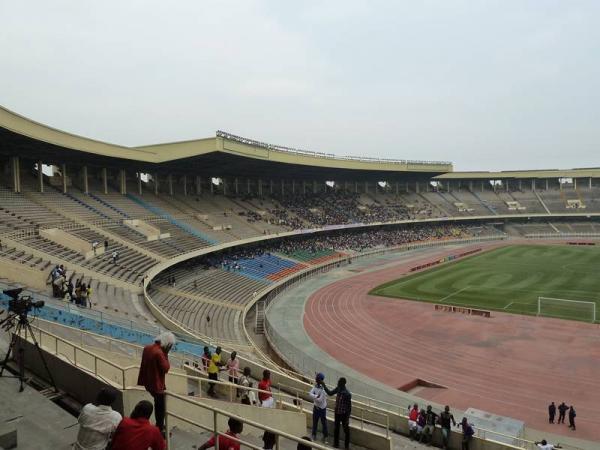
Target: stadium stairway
{"x":485,"y":203}
{"x":108,"y":205}
{"x":184,"y":226}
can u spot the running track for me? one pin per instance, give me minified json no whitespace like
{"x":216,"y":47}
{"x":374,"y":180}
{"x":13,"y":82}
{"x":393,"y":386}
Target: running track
{"x":509,"y":365}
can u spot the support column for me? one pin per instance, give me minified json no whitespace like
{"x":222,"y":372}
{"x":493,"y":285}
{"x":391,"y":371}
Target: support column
{"x":104,"y":180}
{"x":532,"y":185}
{"x":520,"y":185}
{"x":575,"y":183}
{"x":86,"y":185}
{"x":304,"y":187}
{"x":293,"y":187}
{"x":471,"y":185}
{"x":41,"y":176}
{"x":123,"y":181}
{"x":156,"y":184}
{"x":271,"y":187}
{"x":590,"y":183}
{"x":212,"y":185}
{"x":417,"y":187}
{"x":198,"y":185}
{"x":397,"y":188}
{"x":482,"y":186}
{"x":63,"y":168}
{"x":260,"y":192}
{"x":407,"y":189}
{"x":366,"y":187}
{"x":546,"y":183}
{"x":356,"y":187}
{"x":224,"y":182}
{"x":139,"y":182}
{"x":16,"y":173}
{"x":236,"y":186}
{"x":170,"y":181}
{"x":248,"y":187}
{"x":185,"y":185}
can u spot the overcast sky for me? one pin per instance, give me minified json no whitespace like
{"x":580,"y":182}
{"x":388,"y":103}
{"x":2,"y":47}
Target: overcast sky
{"x":489,"y":85}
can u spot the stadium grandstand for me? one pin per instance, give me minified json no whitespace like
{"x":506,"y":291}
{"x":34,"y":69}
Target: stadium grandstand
{"x":235,"y":243}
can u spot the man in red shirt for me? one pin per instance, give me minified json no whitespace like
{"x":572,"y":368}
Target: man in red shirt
{"x":225,"y":441}
{"x":266,"y":398}
{"x":136,"y":432}
{"x":154,"y":368}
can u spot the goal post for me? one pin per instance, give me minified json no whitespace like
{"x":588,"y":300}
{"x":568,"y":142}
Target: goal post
{"x":566,"y":309}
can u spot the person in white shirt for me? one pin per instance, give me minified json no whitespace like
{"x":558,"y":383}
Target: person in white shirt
{"x":543,"y":445}
{"x":97,"y":422}
{"x":319,"y":397}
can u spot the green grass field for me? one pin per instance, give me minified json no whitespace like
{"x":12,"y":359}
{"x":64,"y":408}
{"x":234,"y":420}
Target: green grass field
{"x":510,"y":279}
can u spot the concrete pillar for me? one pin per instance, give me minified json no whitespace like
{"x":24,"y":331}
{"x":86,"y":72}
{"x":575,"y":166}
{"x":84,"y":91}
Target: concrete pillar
{"x":40,"y":176}
{"x":407,"y":189}
{"x":532,"y":185}
{"x":366,"y":187}
{"x":293,"y":187}
{"x":123,"y":181}
{"x":84,"y":175}
{"x":356,"y":187}
{"x":198,"y":185}
{"x":139,"y":183}
{"x":590,"y":183}
{"x":547,"y":184}
{"x":397,"y":188}
{"x":63,"y":169}
{"x":248,"y":187}
{"x":224,"y":183}
{"x":482,"y":186}
{"x":170,"y":183}
{"x":15,"y":164}
{"x":105,"y":180}
{"x":236,"y":186}
{"x":575,"y":183}
{"x":448,"y":187}
{"x":156,"y":183}
{"x":271,"y":187}
{"x":260,"y":192}
{"x":471,"y":185}
{"x":304,"y":187}
{"x":212,"y":185}
{"x":185,"y":185}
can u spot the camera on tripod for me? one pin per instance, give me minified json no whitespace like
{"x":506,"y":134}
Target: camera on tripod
{"x":23,"y":304}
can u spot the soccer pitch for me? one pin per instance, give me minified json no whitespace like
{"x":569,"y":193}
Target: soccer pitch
{"x":509,"y":279}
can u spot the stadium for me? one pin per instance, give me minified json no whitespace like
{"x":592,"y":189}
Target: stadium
{"x":415,"y":282}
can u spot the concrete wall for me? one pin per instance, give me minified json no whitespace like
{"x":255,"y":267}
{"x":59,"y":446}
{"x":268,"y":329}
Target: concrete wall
{"x":151,"y":232}
{"x":21,"y":273}
{"x":71,"y":242}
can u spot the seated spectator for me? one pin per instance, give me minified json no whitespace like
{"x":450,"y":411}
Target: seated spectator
{"x":136,"y":432}
{"x":97,"y":422}
{"x":229,"y":441}
{"x":268,"y":439}
{"x":302,"y":446}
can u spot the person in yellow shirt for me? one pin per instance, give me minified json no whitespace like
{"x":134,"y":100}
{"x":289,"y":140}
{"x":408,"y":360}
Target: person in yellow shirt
{"x":214,"y":366}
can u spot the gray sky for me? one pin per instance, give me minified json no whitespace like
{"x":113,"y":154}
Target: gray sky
{"x":486,"y":84}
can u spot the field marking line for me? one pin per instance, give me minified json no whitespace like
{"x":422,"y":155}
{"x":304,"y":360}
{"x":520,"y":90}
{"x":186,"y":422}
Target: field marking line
{"x":453,"y":293}
{"x":507,"y":306}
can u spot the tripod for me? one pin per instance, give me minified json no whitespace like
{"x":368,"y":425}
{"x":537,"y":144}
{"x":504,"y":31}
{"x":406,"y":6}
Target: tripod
{"x":23,"y":327}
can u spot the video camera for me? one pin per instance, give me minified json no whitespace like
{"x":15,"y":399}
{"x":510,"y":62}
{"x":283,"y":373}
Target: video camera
{"x":23,"y":304}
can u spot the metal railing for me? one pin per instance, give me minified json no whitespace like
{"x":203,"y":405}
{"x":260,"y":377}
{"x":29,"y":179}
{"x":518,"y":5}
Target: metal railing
{"x":281,"y":148}
{"x":563,"y":235}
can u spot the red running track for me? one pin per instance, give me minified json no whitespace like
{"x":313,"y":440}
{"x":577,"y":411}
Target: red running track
{"x":509,"y":365}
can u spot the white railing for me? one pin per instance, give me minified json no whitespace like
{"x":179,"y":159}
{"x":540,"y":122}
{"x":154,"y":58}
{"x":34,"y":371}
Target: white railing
{"x":562,"y":235}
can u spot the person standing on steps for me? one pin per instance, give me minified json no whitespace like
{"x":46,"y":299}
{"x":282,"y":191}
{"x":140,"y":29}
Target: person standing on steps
{"x":153,"y":370}
{"x":343,"y":408}
{"x":551,"y":412}
{"x":413,"y":415}
{"x":446,"y":418}
{"x":319,"y":396}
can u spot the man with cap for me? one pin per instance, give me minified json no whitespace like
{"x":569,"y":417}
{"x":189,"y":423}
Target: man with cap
{"x":319,"y":397}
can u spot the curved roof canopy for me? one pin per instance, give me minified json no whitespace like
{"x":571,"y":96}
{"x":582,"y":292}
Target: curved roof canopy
{"x":222,"y":155}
